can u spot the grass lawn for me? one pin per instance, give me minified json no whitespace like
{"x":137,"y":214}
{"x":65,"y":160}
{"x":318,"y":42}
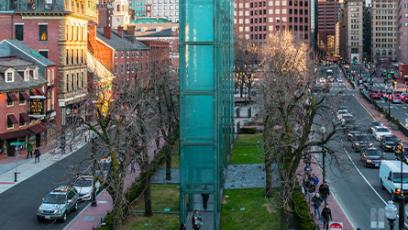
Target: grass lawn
{"x":157,"y":221}
{"x":248,"y":149}
{"x":163,"y":196}
{"x":248,"y":209}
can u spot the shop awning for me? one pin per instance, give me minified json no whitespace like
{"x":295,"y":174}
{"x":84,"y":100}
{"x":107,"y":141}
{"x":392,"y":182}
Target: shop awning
{"x":15,"y":134}
{"x":38,"y":128}
{"x":38,"y":92}
{"x":26,"y":96}
{"x":11,"y":119}
{"x":11,"y":96}
{"x":24,"y":117}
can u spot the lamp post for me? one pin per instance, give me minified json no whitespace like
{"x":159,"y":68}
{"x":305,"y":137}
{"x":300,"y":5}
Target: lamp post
{"x":323,"y":131}
{"x":391,"y":213}
{"x":388,"y":91}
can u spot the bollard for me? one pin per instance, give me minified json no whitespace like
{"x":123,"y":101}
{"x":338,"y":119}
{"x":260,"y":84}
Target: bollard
{"x":15,"y":176}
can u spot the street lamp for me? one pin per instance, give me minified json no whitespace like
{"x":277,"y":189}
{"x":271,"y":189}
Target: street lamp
{"x":391,"y":213}
{"x":323,"y":131}
{"x":388,"y":91}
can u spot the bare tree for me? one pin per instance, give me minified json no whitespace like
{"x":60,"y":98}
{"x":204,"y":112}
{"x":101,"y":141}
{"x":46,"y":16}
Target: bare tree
{"x":246,"y":61}
{"x":289,"y":110}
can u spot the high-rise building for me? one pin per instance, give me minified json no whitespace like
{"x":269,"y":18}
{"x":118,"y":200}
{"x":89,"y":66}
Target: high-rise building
{"x":138,"y":7}
{"x":165,"y":9}
{"x":384,"y":30}
{"x":354,"y":21}
{"x":403,"y":34}
{"x":58,"y":30}
{"x":254,"y":20}
{"x":367,"y":33}
{"x":120,"y":13}
{"x":326,"y":25}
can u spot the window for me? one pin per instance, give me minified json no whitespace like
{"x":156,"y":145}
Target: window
{"x":44,"y":53}
{"x":19,"y":32}
{"x":43,"y":32}
{"x":21,"y":98}
{"x":27,"y":75}
{"x":35,"y":75}
{"x":9,"y":76}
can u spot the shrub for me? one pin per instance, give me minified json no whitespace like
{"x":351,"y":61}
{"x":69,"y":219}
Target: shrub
{"x":248,"y":130}
{"x":302,"y":210}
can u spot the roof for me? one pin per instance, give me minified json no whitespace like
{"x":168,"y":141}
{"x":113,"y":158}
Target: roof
{"x":167,"y":32}
{"x":119,"y":43}
{"x":10,"y":47}
{"x":395,"y":166}
{"x":143,"y":20}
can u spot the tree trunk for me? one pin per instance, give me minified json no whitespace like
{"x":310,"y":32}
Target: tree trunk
{"x":147,"y":198}
{"x":241,"y":88}
{"x":268,"y":175}
{"x":168,"y":162}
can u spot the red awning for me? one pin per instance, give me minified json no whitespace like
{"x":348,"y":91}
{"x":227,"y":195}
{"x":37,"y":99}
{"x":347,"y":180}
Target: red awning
{"x":11,"y":96}
{"x":39,"y":92}
{"x":15,"y":134}
{"x":26,"y":96}
{"x":38,"y":128}
{"x":11,"y":119}
{"x":24,"y":117}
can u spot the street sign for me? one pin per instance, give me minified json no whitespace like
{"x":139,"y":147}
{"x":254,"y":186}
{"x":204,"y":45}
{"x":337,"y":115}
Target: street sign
{"x":335,"y":225}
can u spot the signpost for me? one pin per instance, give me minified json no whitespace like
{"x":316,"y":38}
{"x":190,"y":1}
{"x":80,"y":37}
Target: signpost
{"x":333,"y":225}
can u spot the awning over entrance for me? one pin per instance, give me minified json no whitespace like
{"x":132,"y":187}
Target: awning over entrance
{"x":11,"y":119}
{"x":11,"y":97}
{"x":24,"y":117}
{"x":15,"y":134}
{"x":26,"y":96}
{"x":38,"y":128}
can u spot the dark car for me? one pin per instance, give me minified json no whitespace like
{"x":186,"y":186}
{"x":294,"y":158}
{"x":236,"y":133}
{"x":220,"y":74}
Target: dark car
{"x":371,"y":157}
{"x":347,"y":120}
{"x":389,"y":142}
{"x":360,"y":142}
{"x":352,"y":130}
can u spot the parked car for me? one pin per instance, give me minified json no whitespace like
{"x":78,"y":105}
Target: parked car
{"x":388,"y":142}
{"x":84,"y":184}
{"x":371,"y":157}
{"x":404,"y":97}
{"x":378,"y":132}
{"x":396,"y":99}
{"x":57,"y":204}
{"x":373,"y":125}
{"x":375,"y":95}
{"x":360,"y":142}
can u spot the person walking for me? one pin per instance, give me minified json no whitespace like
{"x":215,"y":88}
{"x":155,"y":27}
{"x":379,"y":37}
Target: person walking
{"x":29,"y":150}
{"x":316,"y":202}
{"x":205,"y":197}
{"x":37,"y":155}
{"x":326,"y":216}
{"x":314,"y":179}
{"x":324,"y":191}
{"x":196,"y":220}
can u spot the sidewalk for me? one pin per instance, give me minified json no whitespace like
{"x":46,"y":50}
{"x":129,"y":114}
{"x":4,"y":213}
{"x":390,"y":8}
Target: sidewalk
{"x":91,"y":217}
{"x":26,"y":168}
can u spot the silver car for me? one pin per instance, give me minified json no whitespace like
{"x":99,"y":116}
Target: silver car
{"x":57,"y":204}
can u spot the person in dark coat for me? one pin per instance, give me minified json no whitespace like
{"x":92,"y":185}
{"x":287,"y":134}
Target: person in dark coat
{"x":324,"y":191}
{"x":316,"y":202}
{"x":205,"y":197}
{"x":326,"y":216}
{"x":196,"y":220}
{"x":37,"y":155}
{"x":29,"y":150}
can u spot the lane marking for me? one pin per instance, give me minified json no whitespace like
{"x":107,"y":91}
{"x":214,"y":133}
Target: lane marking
{"x":344,"y":210}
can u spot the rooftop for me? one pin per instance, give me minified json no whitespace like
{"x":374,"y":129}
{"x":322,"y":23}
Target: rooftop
{"x":119,"y":43}
{"x":148,"y":20}
{"x":13,"y":47}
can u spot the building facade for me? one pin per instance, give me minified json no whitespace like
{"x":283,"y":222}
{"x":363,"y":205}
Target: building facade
{"x":403,"y":37}
{"x":354,"y":21}
{"x":254,"y":20}
{"x":164,"y":9}
{"x":120,"y":13}
{"x":367,"y":33}
{"x":58,"y":30}
{"x":326,"y":26}
{"x":138,"y":7}
{"x":384,"y":30}
{"x":27,"y":97}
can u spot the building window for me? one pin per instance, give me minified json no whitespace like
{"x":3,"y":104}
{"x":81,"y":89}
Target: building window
{"x":44,"y":53}
{"x":9,"y":76}
{"x":21,"y":98}
{"x":19,"y":32}
{"x":35,"y":75}
{"x":43,"y":32}
{"x":67,"y":83}
{"x":26,"y":75}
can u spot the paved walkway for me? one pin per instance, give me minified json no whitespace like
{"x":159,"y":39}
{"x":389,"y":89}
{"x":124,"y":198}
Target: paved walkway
{"x":26,"y":168}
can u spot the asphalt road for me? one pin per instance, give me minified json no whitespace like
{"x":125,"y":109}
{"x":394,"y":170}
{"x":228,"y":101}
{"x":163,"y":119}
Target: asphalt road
{"x":357,"y":189}
{"x":18,"y":205}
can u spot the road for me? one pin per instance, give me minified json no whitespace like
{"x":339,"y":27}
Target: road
{"x":356,"y":188}
{"x":19,"y":204}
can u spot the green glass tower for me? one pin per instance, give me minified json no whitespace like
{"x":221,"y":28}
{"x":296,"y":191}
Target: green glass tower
{"x":206,"y":105}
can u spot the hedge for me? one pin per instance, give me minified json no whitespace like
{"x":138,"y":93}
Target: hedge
{"x":248,"y":130}
{"x":302,"y":210}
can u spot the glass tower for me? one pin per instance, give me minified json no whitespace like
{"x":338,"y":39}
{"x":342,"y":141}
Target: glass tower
{"x":206,"y":105}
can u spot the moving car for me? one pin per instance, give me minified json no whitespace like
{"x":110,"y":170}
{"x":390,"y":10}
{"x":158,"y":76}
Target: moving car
{"x":390,"y":177}
{"x":341,"y":113}
{"x":374,"y":124}
{"x":352,"y":130}
{"x":57,"y":204}
{"x":83,"y":185}
{"x":378,"y":132}
{"x":360,"y":142}
{"x":396,"y":99}
{"x":375,"y":95}
{"x":388,"y":142}
{"x":347,"y":119}
{"x":371,"y":157}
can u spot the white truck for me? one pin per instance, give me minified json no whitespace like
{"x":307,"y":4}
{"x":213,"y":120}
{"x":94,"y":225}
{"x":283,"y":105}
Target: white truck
{"x":390,"y":177}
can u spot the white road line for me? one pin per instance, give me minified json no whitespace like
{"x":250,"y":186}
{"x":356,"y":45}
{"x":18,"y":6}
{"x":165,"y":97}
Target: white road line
{"x":364,"y":178}
{"x":344,"y":210}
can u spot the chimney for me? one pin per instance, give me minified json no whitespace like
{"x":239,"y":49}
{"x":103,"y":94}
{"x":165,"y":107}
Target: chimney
{"x":131,"y":30}
{"x":107,"y":32}
{"x":120,"y":31}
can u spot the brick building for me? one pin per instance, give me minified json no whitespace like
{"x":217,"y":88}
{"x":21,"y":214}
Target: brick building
{"x":326,"y":25}
{"x":27,"y":96}
{"x":403,"y":38}
{"x":254,"y":20}
{"x":58,"y":30}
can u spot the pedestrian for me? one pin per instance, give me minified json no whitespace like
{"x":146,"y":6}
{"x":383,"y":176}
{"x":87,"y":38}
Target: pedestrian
{"x":182,"y":227}
{"x":316,"y":202}
{"x":196,"y":220}
{"x":29,"y":150}
{"x":37,"y":155}
{"x":327,"y":217}
{"x":324,"y":191}
{"x":205,"y":197}
{"x":315,"y":180}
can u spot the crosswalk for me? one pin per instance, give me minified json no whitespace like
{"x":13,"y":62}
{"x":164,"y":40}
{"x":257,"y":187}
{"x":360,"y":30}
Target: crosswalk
{"x":339,"y":89}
